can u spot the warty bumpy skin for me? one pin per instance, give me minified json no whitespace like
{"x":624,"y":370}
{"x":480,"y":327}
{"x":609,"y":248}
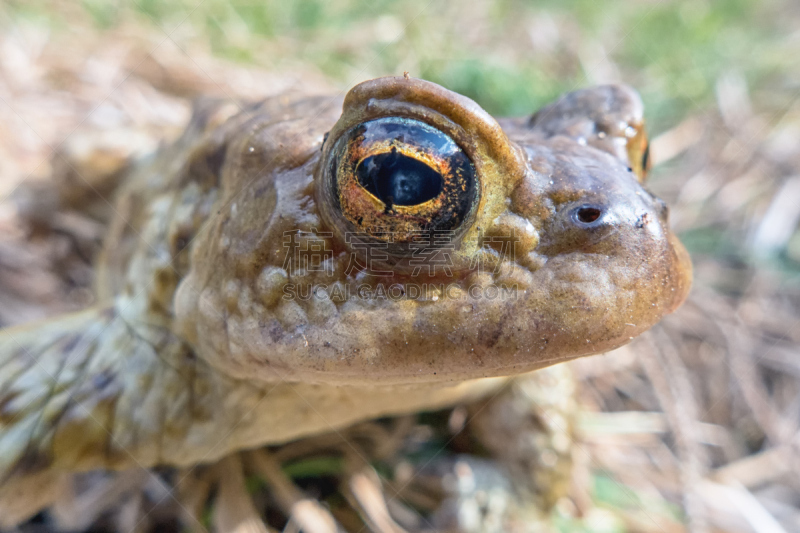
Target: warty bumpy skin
{"x":239,"y":306}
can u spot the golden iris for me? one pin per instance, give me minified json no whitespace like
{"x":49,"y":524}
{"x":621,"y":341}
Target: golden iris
{"x":396,"y":178}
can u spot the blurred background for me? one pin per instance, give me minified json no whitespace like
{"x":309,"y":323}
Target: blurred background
{"x":691,"y":428}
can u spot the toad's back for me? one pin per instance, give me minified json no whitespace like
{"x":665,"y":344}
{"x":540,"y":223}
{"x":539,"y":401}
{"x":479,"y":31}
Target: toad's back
{"x":166,"y":199}
{"x":300,"y":264}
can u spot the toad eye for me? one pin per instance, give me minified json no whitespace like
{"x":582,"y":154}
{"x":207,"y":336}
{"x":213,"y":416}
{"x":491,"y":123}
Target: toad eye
{"x":393,"y":178}
{"x":397,"y":179}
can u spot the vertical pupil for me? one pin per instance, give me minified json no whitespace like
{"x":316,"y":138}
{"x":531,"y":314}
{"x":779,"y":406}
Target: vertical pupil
{"x":397,"y":179}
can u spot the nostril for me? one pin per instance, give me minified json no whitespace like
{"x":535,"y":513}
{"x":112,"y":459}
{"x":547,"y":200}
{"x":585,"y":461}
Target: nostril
{"x":588,"y":214}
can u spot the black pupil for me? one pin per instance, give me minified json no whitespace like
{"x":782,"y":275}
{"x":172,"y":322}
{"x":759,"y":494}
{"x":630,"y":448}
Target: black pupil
{"x":587,"y":215}
{"x":397,"y":179}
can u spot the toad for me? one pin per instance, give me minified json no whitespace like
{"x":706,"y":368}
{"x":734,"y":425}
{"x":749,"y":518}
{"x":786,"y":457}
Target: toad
{"x":297,"y":265}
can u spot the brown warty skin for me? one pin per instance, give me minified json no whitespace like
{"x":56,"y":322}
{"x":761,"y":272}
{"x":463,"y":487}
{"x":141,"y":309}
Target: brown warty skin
{"x":242,"y":305}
